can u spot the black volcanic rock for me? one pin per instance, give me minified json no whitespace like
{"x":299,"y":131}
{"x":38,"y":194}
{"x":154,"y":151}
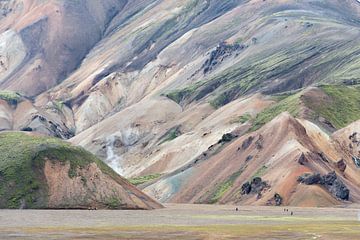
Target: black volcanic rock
{"x":256,"y":186}
{"x":302,"y":159}
{"x":275,"y":201}
{"x":228,"y":137}
{"x":247,"y":142}
{"x":222,"y":51}
{"x":309,"y":179}
{"x":330,"y":181}
{"x":245,"y":188}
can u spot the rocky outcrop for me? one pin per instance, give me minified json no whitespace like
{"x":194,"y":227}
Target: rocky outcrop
{"x":247,"y":143}
{"x":330,"y":181}
{"x":228,"y":137}
{"x":302,"y":159}
{"x":310,"y":179}
{"x":245,"y":188}
{"x":275,"y":201}
{"x":356,"y":161}
{"x":256,"y":186}
{"x":221,"y":52}
{"x":341,"y":165}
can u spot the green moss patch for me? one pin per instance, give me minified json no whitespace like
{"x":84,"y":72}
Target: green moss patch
{"x":342,"y":107}
{"x":171,"y":135}
{"x":224,"y":187}
{"x":13,"y":98}
{"x":260,"y":172}
{"x":22,"y":161}
{"x":144,"y":179}
{"x":289,"y":104}
{"x":241,"y":119}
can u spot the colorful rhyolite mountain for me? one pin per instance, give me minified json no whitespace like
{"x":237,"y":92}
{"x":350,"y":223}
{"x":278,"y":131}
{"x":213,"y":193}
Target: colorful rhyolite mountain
{"x":196,"y":101}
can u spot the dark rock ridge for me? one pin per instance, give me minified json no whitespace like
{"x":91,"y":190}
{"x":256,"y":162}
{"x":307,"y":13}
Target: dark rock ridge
{"x":302,"y":159}
{"x":356,"y":161}
{"x":247,"y":142}
{"x":228,"y":137}
{"x":221,"y":52}
{"x":275,"y":201}
{"x":330,"y":181}
{"x":256,"y":186}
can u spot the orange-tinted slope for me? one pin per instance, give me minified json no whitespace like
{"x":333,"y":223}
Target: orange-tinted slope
{"x":272,"y":153}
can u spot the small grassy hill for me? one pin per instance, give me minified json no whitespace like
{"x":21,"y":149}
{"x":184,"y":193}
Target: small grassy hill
{"x":23,"y":182}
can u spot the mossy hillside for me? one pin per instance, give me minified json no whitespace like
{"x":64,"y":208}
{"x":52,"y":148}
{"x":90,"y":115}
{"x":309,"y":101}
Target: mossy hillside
{"x":244,"y":76}
{"x":290,"y":104}
{"x":21,"y":167}
{"x":342,"y":107}
{"x":278,"y":71}
{"x":241,"y":119}
{"x":223,"y":187}
{"x":180,"y":95}
{"x":13,"y":98}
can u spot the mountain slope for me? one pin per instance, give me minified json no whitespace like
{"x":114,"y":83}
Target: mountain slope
{"x":43,"y":42}
{"x":279,"y":153}
{"x":151,"y":87}
{"x":255,"y":46}
{"x":41,"y":172}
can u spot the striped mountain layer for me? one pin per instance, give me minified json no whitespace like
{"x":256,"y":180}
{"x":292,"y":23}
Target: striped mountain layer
{"x":165,"y":91}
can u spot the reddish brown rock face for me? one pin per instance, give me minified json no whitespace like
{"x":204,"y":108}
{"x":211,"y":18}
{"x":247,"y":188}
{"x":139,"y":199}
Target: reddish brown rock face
{"x":91,"y":188}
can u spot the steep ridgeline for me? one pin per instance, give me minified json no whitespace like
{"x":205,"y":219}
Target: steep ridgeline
{"x":288,"y":161}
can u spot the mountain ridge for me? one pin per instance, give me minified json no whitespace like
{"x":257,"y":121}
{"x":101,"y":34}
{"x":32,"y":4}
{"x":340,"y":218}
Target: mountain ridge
{"x":150,"y":87}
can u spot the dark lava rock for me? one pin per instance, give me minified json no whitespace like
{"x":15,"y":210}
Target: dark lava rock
{"x":310,"y":179}
{"x":302,"y":159}
{"x":245,"y":188}
{"x":257,"y":185}
{"x":260,"y":142}
{"x":249,"y":158}
{"x":228,"y":137}
{"x":339,"y":190}
{"x":275,"y":201}
{"x":278,"y":199}
{"x":26,"y":129}
{"x":341,"y":165}
{"x":329,"y":178}
{"x":222,"y":51}
{"x":353,"y":137}
{"x":323,"y":157}
{"x":330,"y":181}
{"x":356,"y":161}
{"x":247,"y":142}
{"x":335,"y":186}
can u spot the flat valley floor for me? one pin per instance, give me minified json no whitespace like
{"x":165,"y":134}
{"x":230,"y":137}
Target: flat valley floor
{"x":184,"y":222}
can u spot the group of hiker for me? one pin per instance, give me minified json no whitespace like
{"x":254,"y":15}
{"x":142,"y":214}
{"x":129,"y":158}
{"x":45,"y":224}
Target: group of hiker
{"x":285,"y":210}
